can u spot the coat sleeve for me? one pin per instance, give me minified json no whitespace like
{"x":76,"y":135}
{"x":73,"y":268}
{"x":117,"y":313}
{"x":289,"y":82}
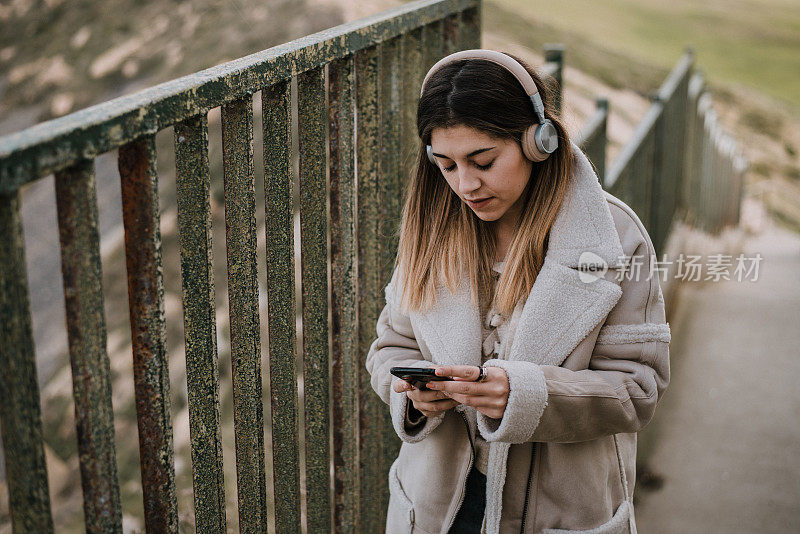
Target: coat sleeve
{"x":627,"y":373}
{"x":396,"y":346}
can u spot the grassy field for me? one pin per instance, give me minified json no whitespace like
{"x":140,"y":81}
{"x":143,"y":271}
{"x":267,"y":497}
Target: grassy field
{"x":749,"y":51}
{"x":752,"y":42}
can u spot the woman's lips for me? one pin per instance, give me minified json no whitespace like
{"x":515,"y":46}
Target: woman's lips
{"x":479,"y":204}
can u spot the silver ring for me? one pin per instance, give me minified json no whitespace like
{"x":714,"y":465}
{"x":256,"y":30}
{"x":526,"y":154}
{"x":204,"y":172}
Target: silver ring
{"x":484,"y":374}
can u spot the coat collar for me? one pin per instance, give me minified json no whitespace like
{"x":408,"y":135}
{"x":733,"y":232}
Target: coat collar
{"x":561,"y":308}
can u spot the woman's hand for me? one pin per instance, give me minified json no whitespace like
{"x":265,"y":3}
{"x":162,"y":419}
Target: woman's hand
{"x":489,"y":397}
{"x":430,"y":403}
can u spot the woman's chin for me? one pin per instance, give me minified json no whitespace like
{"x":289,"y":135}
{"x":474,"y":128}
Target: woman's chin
{"x":488,"y":213}
{"x":486,"y":216}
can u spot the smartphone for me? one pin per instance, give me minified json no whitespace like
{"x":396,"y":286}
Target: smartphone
{"x":418,"y":376}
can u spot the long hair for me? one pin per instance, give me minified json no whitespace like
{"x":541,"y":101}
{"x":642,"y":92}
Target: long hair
{"x":440,"y":237}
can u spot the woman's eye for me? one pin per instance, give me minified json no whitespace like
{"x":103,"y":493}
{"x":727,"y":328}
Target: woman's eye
{"x":481,"y":167}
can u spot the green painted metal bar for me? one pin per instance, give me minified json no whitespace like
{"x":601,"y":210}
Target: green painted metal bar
{"x":709,"y":182}
{"x":194,"y":236}
{"x":733,"y":183}
{"x":701,"y":167}
{"x":743,"y":165}
{"x":550,"y":69}
{"x":714,"y":189}
{"x":389,"y":101}
{"x":345,"y":357}
{"x":76,"y":202}
{"x":49,"y":146}
{"x":240,"y":228}
{"x":593,"y":139}
{"x":721,"y":181}
{"x":705,"y":168}
{"x":432,"y":44}
{"x":554,"y":57}
{"x":137,"y":169}
{"x":450,"y":33}
{"x":411,"y":77}
{"x":670,"y":149}
{"x":278,"y":194}
{"x":621,"y":163}
{"x":471,"y":21}
{"x":314,"y":249}
{"x":390,"y":189}
{"x":634,"y":182}
{"x":644,"y":179}
{"x":372,"y":410}
{"x":692,"y":187}
{"x":677,"y":75}
{"x":664,"y":175}
{"x":20,"y":409}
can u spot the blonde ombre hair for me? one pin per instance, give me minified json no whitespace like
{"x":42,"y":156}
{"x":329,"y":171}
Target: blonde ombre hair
{"x":440,"y":237}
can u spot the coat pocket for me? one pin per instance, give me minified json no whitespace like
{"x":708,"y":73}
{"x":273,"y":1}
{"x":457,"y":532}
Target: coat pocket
{"x":619,"y":524}
{"x":400,"y":516}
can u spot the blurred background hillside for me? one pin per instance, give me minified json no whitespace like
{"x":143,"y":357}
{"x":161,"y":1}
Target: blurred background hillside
{"x":58,"y":56}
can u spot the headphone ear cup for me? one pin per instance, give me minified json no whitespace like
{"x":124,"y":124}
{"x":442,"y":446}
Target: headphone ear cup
{"x":546,"y":137}
{"x":429,"y":150}
{"x":529,"y":148}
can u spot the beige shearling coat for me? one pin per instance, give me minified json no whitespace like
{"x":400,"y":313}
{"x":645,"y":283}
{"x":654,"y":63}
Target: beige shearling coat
{"x":587,"y":360}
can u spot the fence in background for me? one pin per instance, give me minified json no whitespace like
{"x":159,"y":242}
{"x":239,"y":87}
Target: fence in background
{"x":678,"y":164}
{"x":715,"y":165}
{"x":369,"y":71}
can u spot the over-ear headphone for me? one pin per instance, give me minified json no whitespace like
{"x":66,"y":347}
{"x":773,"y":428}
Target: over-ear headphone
{"x":539,"y":140}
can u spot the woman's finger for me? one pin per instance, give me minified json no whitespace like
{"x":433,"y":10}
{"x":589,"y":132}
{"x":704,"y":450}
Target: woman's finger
{"x":459,"y":372}
{"x":400,"y":385}
{"x":435,"y":408}
{"x":426,"y":395}
{"x":480,"y":403}
{"x":464,"y":387}
{"x":489,"y":398}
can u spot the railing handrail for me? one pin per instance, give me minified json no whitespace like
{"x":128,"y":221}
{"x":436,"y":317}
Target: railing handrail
{"x":643,"y":128}
{"x":629,"y":150}
{"x":30,"y":154}
{"x":592,"y":125}
{"x":355,"y":87}
{"x":670,"y":84}
{"x":592,"y":138}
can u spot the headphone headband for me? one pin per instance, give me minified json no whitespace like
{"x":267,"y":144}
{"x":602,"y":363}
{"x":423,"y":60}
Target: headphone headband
{"x":494,"y":56}
{"x":504,"y":60}
{"x":539,"y":140}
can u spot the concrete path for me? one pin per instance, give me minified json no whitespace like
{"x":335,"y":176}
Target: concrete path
{"x":726,"y":434}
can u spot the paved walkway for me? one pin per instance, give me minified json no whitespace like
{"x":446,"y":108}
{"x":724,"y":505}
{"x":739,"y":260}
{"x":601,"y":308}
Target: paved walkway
{"x":726,"y":435}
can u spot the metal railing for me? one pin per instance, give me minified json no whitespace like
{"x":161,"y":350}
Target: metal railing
{"x":678,"y":165}
{"x":715,"y":166}
{"x":374,"y":68}
{"x":368,"y":72}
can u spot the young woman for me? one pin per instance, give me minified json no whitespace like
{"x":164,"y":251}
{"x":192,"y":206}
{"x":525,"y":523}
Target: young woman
{"x":533,"y":289}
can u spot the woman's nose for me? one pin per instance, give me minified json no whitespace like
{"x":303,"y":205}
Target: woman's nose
{"x":467,"y":183}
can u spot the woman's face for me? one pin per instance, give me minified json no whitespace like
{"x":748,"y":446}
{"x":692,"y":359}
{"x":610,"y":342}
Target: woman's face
{"x":477,"y":166}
